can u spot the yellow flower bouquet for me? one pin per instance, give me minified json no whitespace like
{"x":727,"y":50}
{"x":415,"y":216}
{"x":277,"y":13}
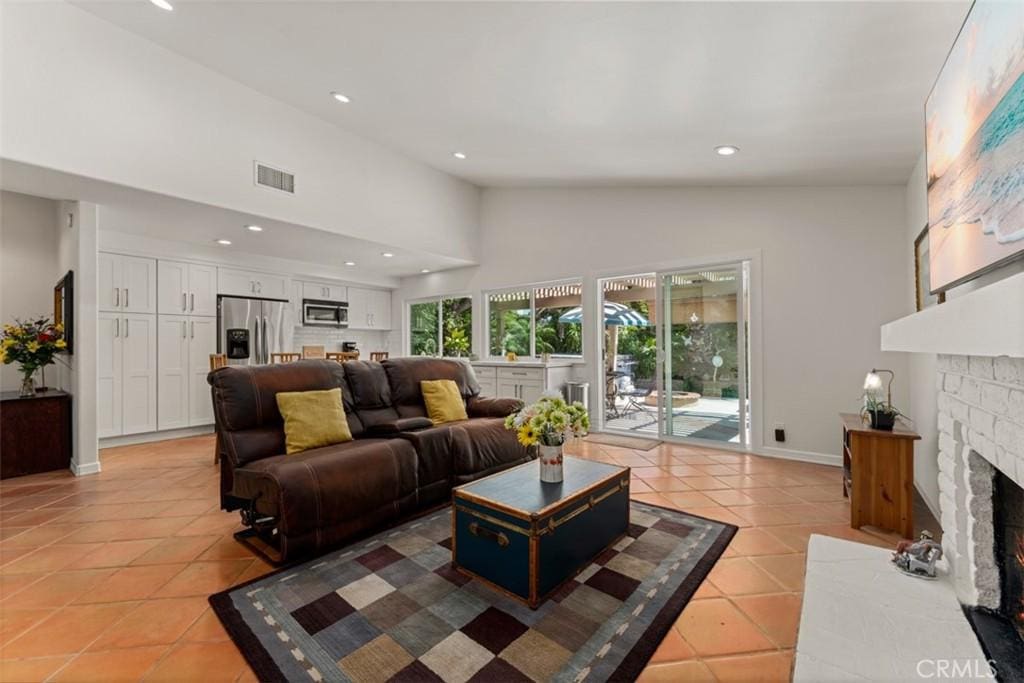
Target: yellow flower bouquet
{"x":33,"y":344}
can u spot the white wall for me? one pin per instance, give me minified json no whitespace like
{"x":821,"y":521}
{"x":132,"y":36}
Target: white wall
{"x":84,"y":96}
{"x":833,"y":261}
{"x":29,"y":268}
{"x":77,"y":237}
{"x":924,"y":366}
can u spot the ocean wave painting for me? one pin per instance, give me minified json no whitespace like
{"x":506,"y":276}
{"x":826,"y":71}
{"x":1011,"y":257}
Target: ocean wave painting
{"x":974,"y":132}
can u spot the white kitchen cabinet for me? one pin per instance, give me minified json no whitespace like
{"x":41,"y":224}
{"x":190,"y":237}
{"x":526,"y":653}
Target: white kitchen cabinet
{"x":183,"y":360}
{"x":380,"y":309}
{"x":127,"y":284}
{"x":202,"y":341}
{"x":172,"y":371}
{"x":108,"y":374}
{"x":524,"y":380}
{"x":234,"y":282}
{"x":202,"y":289}
{"x":369,"y":309}
{"x":186,"y":288}
{"x":487,"y":378}
{"x":138,"y":371}
{"x":126,"y":376}
{"x":323,"y":292}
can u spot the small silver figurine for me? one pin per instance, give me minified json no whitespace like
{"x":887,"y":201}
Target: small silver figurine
{"x":918,"y":558}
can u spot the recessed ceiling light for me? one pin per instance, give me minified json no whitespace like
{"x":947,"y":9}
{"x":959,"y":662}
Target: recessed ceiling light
{"x":459,"y":155}
{"x":386,"y":254}
{"x":350,"y":263}
{"x":254,"y":228}
{"x":226,"y":243}
{"x":726,"y":150}
{"x":344,"y":99}
{"x":425,"y":270}
{"x":162,"y":4}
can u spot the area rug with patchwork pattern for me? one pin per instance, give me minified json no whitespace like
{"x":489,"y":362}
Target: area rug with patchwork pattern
{"x":392,"y":608}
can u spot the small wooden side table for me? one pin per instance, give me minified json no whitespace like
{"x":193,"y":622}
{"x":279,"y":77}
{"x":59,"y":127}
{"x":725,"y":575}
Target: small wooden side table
{"x":878,"y":475}
{"x":35,"y":433}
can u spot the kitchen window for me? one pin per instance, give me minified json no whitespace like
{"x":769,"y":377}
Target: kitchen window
{"x":536,"y":320}
{"x":441,"y":326}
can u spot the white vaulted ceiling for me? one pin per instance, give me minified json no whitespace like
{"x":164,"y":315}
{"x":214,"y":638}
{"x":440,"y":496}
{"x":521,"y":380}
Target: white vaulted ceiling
{"x":591,"y":93}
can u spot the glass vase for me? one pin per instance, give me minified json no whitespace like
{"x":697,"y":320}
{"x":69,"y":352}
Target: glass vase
{"x":550,"y":464}
{"x":28,"y":385}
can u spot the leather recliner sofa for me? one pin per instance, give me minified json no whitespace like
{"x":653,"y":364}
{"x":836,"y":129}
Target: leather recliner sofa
{"x":397,"y":463}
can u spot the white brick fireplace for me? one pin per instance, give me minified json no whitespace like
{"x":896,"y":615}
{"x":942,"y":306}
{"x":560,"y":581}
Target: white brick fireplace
{"x":981,"y":429}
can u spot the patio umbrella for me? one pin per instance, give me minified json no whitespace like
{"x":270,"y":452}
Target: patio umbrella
{"x":614,"y":315}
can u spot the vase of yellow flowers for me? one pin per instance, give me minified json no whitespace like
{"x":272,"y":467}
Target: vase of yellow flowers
{"x":547,"y":424}
{"x":32,"y":344}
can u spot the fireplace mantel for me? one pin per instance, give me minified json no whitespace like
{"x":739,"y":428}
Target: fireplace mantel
{"x":986,"y":322}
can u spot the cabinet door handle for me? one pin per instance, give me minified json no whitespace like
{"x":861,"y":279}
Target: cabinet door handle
{"x":117,"y":327}
{"x":192,"y":301}
{"x":184,"y":305}
{"x":182,"y":329}
{"x":126,"y":298}
{"x":117,"y":298}
{"x":126,"y":328}
{"x":192,"y":330}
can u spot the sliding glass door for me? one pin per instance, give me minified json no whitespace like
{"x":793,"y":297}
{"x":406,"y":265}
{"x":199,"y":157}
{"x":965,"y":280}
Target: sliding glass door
{"x":676,"y":362}
{"x":702,"y":339}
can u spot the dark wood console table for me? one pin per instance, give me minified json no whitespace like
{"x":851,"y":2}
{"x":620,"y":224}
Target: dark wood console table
{"x":878,"y":475}
{"x":35,"y":433}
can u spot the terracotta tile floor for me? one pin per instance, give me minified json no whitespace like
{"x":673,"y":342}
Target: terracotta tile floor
{"x":105,"y":578}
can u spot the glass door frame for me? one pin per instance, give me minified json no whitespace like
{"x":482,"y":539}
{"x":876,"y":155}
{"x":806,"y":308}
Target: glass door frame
{"x":754,"y":366}
{"x":663,"y":366}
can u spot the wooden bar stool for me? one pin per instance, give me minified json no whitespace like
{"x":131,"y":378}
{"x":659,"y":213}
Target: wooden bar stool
{"x":285,"y":357}
{"x":378,"y":355}
{"x":313,"y":352}
{"x":218,"y":360}
{"x":342,"y":356}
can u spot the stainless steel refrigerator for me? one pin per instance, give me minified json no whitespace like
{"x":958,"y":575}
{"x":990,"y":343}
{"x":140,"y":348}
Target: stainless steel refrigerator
{"x":249,"y":330}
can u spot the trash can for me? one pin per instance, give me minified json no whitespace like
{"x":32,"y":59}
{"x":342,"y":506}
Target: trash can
{"x":578,"y":391}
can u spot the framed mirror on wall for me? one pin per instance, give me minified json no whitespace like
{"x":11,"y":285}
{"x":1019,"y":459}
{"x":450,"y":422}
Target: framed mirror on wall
{"x":922,"y":274}
{"x":64,"y":308}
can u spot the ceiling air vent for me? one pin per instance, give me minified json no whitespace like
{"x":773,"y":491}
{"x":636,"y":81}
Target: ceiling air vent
{"x":275,"y":179}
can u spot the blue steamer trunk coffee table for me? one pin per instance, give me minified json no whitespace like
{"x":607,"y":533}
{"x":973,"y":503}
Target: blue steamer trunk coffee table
{"x":526,"y":538}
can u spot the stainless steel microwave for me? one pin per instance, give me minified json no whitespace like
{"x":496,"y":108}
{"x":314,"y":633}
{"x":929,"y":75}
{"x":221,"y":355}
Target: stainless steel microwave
{"x":324,"y":313}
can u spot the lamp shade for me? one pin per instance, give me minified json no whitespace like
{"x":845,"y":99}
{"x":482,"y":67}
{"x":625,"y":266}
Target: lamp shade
{"x":872,"y":382}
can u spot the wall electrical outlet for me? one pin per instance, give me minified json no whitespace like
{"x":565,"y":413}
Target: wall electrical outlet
{"x":780,"y":432}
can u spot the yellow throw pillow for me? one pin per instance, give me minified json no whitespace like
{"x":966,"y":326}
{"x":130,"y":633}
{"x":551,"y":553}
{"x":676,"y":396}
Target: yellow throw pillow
{"x":312,"y":419}
{"x":444,"y":402}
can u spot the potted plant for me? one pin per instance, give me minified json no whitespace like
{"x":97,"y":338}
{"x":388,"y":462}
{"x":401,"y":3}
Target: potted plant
{"x":33,"y":345}
{"x":547,"y":424}
{"x":882,"y":414}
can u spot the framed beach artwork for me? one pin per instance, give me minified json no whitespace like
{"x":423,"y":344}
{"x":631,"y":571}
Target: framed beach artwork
{"x":922,"y":271}
{"x":974,"y":141}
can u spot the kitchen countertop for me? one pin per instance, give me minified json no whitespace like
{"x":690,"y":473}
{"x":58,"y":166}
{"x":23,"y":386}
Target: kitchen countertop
{"x":553,"y":363}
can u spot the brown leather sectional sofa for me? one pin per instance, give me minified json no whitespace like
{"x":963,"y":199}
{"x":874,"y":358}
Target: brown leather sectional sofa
{"x":397,"y":463}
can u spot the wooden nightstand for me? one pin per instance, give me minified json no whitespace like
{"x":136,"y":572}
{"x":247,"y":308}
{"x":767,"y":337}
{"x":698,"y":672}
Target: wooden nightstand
{"x":878,"y":475}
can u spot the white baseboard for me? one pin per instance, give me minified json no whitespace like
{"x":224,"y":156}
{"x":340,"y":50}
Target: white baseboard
{"x":802,"y":456}
{"x":84,"y":469}
{"x":149,"y":437}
